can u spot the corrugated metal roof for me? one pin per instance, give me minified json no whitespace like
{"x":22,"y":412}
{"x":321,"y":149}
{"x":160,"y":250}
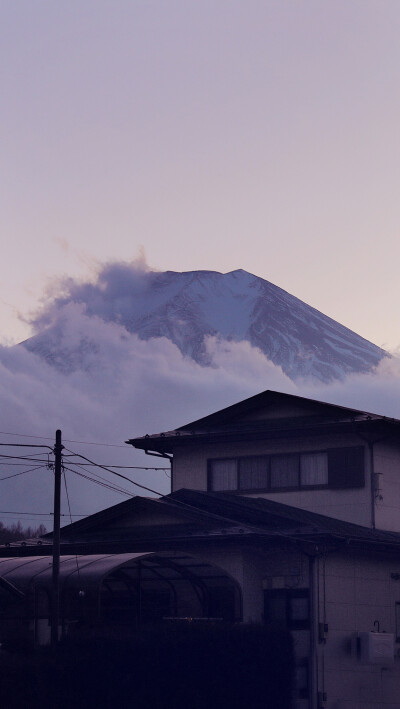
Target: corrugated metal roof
{"x":88,"y":571}
{"x":74,"y":570}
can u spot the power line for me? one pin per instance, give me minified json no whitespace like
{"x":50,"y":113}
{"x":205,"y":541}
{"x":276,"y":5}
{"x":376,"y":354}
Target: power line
{"x":23,"y":472}
{"x":122,"y":467}
{"x":24,"y":445}
{"x":118,"y":488}
{"x":70,"y":517}
{"x":32,"y":519}
{"x":109,"y":465}
{"x":22,"y":457}
{"x":98,"y":482}
{"x":67,"y":440}
{"x":37,"y":514}
{"x":103,"y":467}
{"x":15,"y":465}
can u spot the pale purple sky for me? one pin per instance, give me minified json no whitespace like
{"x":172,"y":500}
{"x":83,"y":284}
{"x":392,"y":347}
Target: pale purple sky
{"x":218,"y":134}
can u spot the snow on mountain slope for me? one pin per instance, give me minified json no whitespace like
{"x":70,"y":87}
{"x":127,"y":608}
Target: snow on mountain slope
{"x":187,"y":307}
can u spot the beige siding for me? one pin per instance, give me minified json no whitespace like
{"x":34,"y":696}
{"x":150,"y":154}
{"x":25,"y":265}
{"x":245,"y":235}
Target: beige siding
{"x":190,"y":471}
{"x":387,"y":470}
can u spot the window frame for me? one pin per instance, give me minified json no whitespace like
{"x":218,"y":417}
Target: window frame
{"x":287,"y":594}
{"x":292,"y":488}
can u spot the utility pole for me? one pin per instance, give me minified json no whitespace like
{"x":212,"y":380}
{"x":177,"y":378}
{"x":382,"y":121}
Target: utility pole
{"x":55,"y":606}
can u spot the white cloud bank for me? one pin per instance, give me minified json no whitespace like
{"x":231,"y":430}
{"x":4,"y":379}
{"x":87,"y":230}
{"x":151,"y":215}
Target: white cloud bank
{"x":127,"y":387}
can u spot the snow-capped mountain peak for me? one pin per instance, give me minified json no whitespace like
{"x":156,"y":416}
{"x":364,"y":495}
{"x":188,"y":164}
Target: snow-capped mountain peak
{"x":186,"y":307}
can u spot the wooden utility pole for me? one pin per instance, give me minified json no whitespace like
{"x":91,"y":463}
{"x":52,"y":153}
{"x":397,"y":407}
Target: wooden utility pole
{"x":55,"y":606}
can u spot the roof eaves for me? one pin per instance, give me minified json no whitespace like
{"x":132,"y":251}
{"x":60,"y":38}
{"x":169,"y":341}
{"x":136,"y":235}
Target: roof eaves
{"x":254,"y":402}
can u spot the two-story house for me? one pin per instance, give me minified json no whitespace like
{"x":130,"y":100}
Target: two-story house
{"x":284,"y":511}
{"x":336,"y":461}
{"x":334,"y":586}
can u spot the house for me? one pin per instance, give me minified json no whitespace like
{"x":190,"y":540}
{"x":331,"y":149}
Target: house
{"x":329,"y":459}
{"x":283,"y":511}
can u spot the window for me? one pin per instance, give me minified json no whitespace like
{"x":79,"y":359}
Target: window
{"x":287,"y":608}
{"x":313,"y":469}
{"x":346,"y":467}
{"x":284,"y":471}
{"x":336,"y":468}
{"x":224,"y":475}
{"x":253,"y":473}
{"x":239,"y":473}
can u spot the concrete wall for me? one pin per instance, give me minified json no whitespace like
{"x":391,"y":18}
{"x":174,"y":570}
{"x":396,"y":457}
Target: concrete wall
{"x":190,"y":471}
{"x":353,"y":593}
{"x":387,"y":477}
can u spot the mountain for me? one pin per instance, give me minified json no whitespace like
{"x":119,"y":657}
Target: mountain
{"x":186,"y":307}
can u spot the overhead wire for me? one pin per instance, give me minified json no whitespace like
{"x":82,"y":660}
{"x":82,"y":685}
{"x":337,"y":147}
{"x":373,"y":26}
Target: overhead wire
{"x":67,"y":440}
{"x":8,"y":459}
{"x":96,"y":475}
{"x":4,"y":456}
{"x":15,"y":465}
{"x":21,"y":457}
{"x":23,"y":472}
{"x":70,"y":515}
{"x":98,"y":482}
{"x":24,"y":445}
{"x":38,"y":514}
{"x":126,"y":467}
{"x":124,"y":477}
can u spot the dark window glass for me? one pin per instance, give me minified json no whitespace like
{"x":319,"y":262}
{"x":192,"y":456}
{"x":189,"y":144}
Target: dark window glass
{"x":298,"y":608}
{"x":288,"y":608}
{"x":223,"y":474}
{"x":276,"y":608}
{"x":337,"y":468}
{"x":253,"y":473}
{"x":284,"y":471}
{"x":346,"y":467}
{"x":313,"y":469}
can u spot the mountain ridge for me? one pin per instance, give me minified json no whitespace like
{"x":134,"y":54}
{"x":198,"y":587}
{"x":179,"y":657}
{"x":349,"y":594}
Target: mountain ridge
{"x":188,"y":306}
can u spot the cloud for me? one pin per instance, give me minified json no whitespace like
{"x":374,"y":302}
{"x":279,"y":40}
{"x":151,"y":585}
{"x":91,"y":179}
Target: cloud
{"x":121,"y":386}
{"x":111,"y":294}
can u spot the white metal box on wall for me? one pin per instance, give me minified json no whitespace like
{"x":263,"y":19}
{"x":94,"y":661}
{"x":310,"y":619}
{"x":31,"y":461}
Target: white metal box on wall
{"x":377,"y":648}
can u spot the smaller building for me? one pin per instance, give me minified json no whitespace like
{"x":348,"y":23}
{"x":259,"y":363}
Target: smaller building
{"x":223,"y":557}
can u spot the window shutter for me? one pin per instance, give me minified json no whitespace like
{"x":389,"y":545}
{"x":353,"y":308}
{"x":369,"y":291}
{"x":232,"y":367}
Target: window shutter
{"x":346,"y":467}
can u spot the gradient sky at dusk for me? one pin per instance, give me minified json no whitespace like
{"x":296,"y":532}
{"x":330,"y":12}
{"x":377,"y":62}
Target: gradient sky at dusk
{"x":261,"y":135}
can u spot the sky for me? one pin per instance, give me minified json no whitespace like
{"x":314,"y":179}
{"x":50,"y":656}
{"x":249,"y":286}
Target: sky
{"x":216,"y":135}
{"x":183,"y":135}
